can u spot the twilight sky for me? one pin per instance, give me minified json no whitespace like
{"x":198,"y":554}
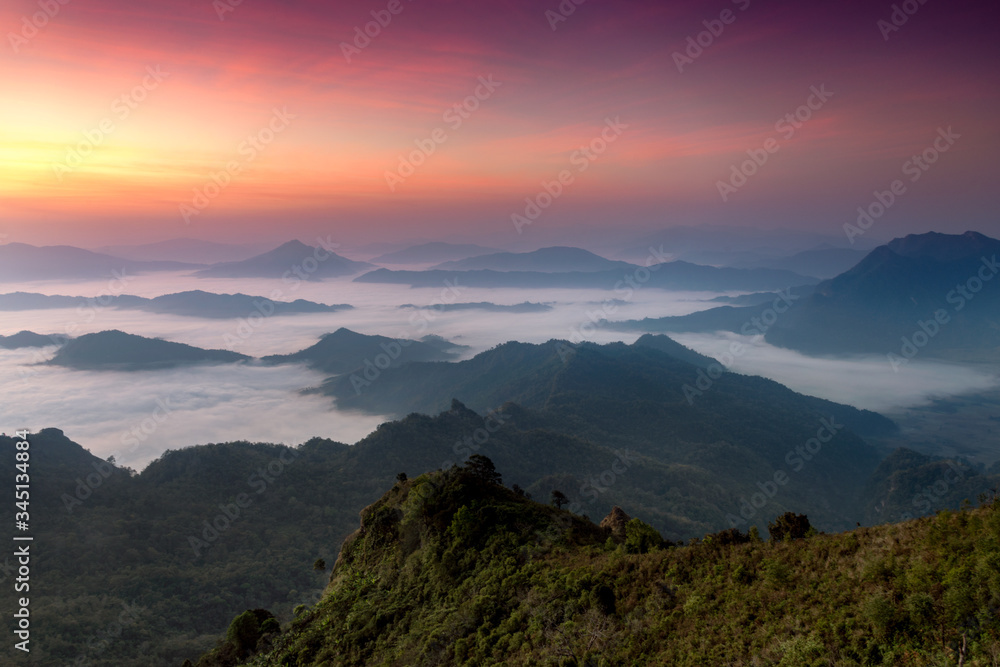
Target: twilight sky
{"x":116,"y":113}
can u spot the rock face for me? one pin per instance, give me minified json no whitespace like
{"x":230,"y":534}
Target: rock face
{"x":615,"y":522}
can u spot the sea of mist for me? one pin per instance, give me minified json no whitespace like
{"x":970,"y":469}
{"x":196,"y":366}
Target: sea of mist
{"x":102,"y":409}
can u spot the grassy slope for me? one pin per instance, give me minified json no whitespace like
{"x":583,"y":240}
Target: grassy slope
{"x":448,"y":570}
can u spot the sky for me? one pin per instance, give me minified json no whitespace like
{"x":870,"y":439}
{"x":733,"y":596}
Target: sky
{"x":267,"y":119}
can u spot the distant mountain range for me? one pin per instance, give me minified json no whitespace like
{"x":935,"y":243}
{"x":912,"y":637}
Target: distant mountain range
{"x":744,"y":317}
{"x":20,"y":262}
{"x":927,"y":294}
{"x":116,"y":350}
{"x":557,"y":259}
{"x":291,"y":261}
{"x":195,"y":303}
{"x":608,"y":425}
{"x":670,"y":275}
{"x":30,"y":339}
{"x":339,"y":352}
{"x":206,"y":304}
{"x":727,"y":245}
{"x":823,"y":262}
{"x":758,"y":298}
{"x":575,"y":379}
{"x":297,"y":261}
{"x":183,"y":250}
{"x":526,"y":307}
{"x":432,"y":253}
{"x":945,"y":247}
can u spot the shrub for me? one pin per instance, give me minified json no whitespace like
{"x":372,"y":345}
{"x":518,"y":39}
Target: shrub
{"x":776,"y":572}
{"x":641,"y":538}
{"x":920,"y":608}
{"x":742,"y":575}
{"x":880,"y":611}
{"x":244,"y":632}
{"x":800,"y":651}
{"x":728,"y":537}
{"x":789,"y":526}
{"x":483,"y":468}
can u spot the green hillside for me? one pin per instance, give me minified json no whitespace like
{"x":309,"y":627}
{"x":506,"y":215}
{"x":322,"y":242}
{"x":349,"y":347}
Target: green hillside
{"x":451,"y":569}
{"x":206,"y":532}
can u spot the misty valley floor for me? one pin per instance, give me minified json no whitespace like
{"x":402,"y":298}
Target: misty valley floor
{"x":966,"y":425}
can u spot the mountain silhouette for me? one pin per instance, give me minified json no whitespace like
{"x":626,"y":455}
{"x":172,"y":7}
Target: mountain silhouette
{"x":291,"y":261}
{"x":116,"y":350}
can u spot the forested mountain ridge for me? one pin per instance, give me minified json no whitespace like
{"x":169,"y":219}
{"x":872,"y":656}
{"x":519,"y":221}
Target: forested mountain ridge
{"x":928,"y":294}
{"x":117,"y":540}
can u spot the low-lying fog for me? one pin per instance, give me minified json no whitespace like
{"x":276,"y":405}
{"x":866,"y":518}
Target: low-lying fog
{"x":867,"y":382}
{"x":138,"y":415}
{"x":222,"y":403}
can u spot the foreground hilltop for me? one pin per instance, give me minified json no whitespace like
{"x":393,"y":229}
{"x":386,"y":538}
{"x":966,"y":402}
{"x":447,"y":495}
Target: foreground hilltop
{"x":452,"y":568}
{"x":172,"y":544}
